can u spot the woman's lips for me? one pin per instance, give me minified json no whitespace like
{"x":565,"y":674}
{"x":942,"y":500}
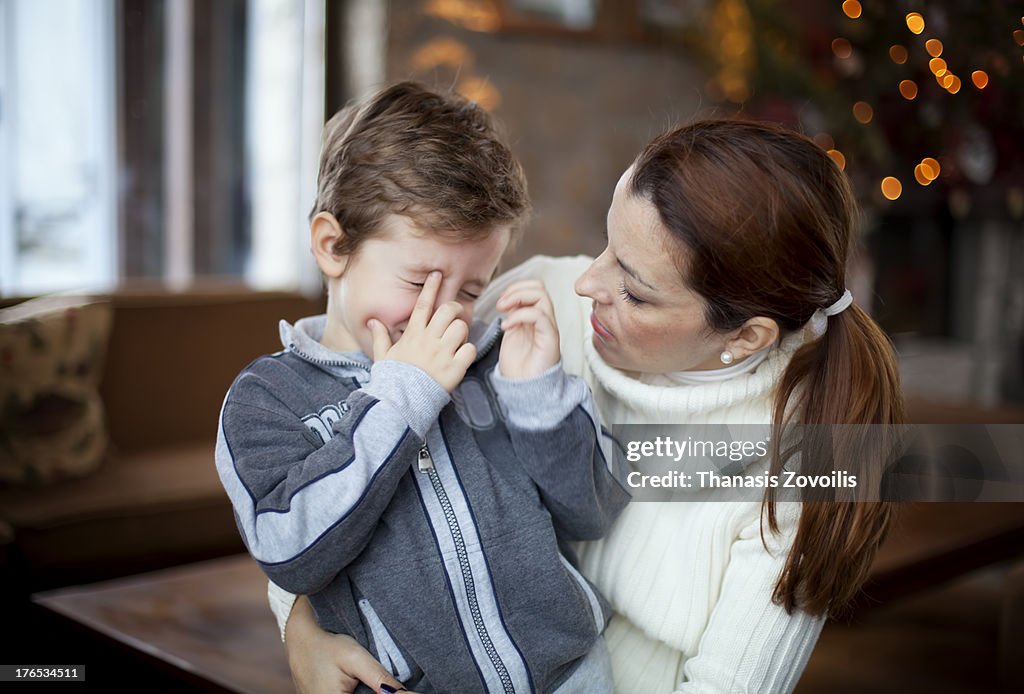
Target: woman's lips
{"x":601,"y":331}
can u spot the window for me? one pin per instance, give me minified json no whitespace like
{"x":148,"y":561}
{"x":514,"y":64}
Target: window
{"x":57,"y":193}
{"x":172,"y":141}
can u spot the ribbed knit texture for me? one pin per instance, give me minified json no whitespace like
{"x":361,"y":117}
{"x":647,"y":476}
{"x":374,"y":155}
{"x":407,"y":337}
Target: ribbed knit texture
{"x":691,"y":582}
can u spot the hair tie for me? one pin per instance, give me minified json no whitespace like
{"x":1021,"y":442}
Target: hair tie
{"x":839,"y":306}
{"x":818,"y":323}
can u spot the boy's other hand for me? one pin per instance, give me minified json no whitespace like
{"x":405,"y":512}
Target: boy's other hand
{"x":434,"y":341}
{"x":530,"y":346}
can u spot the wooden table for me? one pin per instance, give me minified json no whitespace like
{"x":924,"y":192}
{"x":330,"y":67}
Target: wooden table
{"x":210,"y":624}
{"x":931,"y":543}
{"x":207,"y":623}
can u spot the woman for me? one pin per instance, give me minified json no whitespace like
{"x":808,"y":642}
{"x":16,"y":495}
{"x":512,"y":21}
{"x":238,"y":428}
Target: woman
{"x":720,"y":299}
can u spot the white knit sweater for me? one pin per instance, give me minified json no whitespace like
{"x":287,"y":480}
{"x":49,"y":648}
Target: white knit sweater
{"x":691,"y":582}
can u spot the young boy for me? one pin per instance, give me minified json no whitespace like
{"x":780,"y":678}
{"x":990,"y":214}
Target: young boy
{"x":420,"y":498}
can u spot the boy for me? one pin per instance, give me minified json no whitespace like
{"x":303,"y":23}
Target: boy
{"x":425,"y":492}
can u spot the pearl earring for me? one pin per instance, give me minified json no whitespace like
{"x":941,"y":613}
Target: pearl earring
{"x":726,"y":357}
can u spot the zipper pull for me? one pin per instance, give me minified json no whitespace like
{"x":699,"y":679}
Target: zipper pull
{"x":425,"y":462}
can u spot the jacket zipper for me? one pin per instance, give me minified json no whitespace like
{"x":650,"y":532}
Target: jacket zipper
{"x":426,"y":466}
{"x":425,"y":462}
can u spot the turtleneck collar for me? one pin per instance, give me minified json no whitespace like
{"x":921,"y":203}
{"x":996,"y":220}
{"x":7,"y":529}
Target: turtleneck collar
{"x":695,"y":378}
{"x":665,"y":399}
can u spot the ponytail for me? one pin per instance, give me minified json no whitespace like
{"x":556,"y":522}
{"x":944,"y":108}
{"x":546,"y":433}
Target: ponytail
{"x":848,"y":376}
{"x":762,"y":222}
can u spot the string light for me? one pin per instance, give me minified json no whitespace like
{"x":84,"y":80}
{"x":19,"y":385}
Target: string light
{"x":891,"y":187}
{"x":915,"y":22}
{"x":980,"y":79}
{"x":898,"y":54}
{"x":908,"y":90}
{"x":852,"y":9}
{"x":934,"y":47}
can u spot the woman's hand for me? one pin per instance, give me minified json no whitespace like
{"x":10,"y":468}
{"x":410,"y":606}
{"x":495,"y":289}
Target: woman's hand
{"x":323,"y":663}
{"x":530,"y":345}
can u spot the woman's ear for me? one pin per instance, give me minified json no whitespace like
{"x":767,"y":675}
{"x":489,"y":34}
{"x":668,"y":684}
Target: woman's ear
{"x":324,"y":234}
{"x":756,"y":334}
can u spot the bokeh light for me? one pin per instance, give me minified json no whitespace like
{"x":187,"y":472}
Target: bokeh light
{"x":920,"y":176}
{"x":915,"y":22}
{"x":891,"y":187}
{"x":838,"y":158}
{"x":863,"y":112}
{"x":482,"y":91}
{"x":842,"y":48}
{"x":852,"y":9}
{"x":934,"y":47}
{"x":930,"y":168}
{"x":980,"y":79}
{"x":1018,"y":36}
{"x":908,"y":89}
{"x":937,"y":66}
{"x":824,"y":140}
{"x":898,"y":54}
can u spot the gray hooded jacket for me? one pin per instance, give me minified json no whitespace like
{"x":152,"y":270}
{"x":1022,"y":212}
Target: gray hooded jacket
{"x":429,"y":528}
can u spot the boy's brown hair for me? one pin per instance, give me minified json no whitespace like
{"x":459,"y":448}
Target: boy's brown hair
{"x":435,"y":158}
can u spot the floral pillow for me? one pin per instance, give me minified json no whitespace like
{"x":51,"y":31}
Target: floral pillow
{"x":51,"y":416}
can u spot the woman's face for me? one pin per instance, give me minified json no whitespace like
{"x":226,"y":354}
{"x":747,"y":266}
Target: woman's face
{"x":644,"y":317}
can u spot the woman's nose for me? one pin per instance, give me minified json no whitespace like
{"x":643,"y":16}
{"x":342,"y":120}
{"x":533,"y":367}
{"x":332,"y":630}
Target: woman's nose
{"x":589,"y":285}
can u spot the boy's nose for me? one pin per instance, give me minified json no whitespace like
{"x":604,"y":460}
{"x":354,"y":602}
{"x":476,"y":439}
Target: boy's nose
{"x":448,"y":292}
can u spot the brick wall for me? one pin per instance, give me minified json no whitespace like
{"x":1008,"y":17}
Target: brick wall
{"x":577,"y":110}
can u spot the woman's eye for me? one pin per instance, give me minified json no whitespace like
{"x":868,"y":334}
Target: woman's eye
{"x":471,"y":296}
{"x":629,"y":296}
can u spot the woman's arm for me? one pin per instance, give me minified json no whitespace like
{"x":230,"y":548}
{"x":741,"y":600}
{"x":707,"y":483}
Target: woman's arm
{"x":323,"y":663}
{"x":751,"y":644}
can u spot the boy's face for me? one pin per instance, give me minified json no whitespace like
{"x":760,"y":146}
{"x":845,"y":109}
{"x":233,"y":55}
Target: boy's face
{"x":383,"y":278}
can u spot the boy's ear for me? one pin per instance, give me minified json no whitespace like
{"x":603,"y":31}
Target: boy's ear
{"x":324,"y":234}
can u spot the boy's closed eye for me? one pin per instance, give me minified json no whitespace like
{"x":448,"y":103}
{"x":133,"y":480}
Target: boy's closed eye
{"x":465,"y":293}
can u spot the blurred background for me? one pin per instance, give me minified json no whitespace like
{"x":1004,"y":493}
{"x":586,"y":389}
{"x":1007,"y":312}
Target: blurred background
{"x":160,"y":156}
{"x":176,"y":142}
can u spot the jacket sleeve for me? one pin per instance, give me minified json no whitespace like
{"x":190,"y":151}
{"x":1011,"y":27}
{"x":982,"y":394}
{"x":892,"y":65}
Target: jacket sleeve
{"x":557,"y":437}
{"x":306,"y":507}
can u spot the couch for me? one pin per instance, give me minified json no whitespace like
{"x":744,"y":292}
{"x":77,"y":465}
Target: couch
{"x":155,"y":499}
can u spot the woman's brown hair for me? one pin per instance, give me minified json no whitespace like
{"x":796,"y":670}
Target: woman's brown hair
{"x":765,"y":222}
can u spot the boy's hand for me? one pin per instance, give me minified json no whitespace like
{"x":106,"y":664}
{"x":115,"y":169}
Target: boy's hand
{"x":434,"y":341}
{"x":530,"y":346}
